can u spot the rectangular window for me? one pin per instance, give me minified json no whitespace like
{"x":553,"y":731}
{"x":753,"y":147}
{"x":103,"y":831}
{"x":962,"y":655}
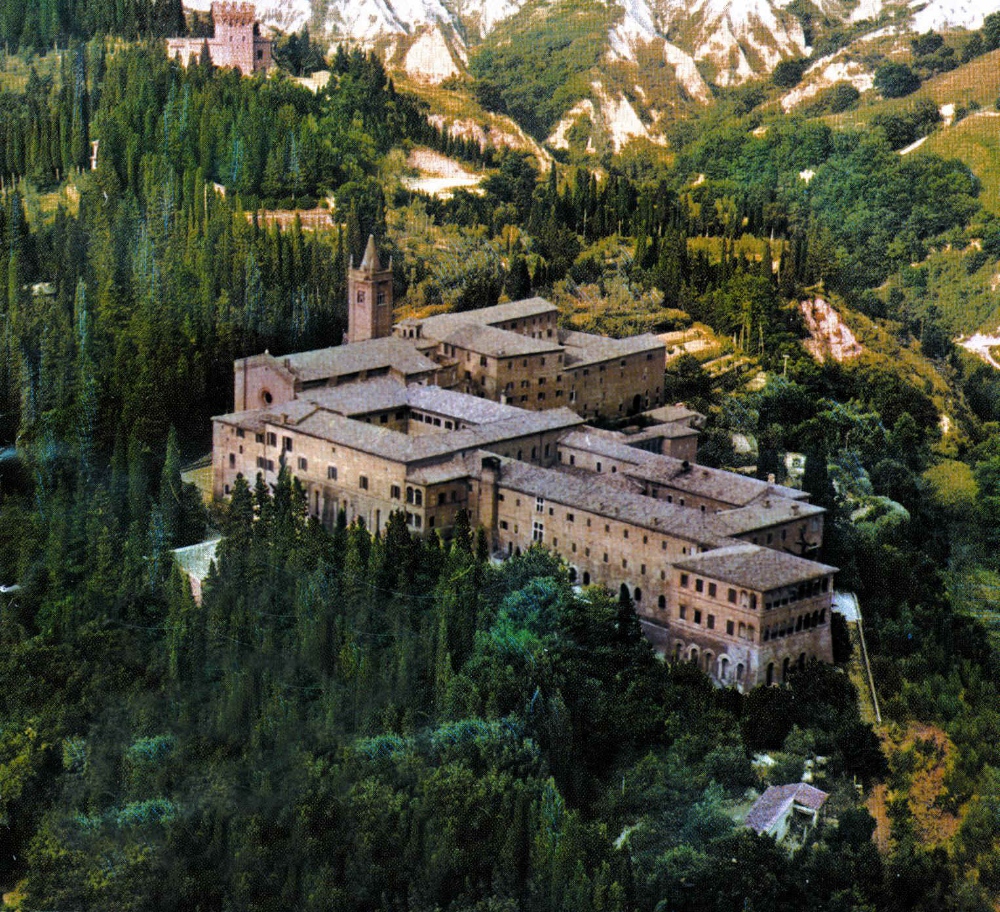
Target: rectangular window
{"x":697,"y":616}
{"x":570,"y":517}
{"x":240,"y":432}
{"x":272,"y":438}
{"x":710,"y":622}
{"x":331,"y":473}
{"x":731,"y":596}
{"x":699,"y":585}
{"x":684,"y":579}
{"x":232,"y":460}
{"x":682,"y":612}
{"x":303,"y":464}
{"x":539,"y":504}
{"x":537,"y":531}
{"x":395,"y":492}
{"x":363,"y":482}
{"x":730,"y":627}
{"x":503,"y":523}
{"x":712,"y":589}
{"x":259,"y":438}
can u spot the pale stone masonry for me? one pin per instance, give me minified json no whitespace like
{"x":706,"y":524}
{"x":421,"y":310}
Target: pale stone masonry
{"x":431,"y":420}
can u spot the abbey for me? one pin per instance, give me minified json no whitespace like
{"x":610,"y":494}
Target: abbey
{"x":486,"y":412}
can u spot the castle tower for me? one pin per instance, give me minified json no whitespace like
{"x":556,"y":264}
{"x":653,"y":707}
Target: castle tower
{"x":369,"y":297}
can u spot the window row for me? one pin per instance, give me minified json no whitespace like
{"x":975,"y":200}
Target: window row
{"x":800,"y":623}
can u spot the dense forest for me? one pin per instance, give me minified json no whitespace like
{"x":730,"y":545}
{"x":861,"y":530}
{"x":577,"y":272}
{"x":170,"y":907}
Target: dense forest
{"x":359,"y":722}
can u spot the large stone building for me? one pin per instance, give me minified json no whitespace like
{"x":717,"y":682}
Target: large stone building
{"x":512,"y":353}
{"x":237,"y":41}
{"x":719,"y":565}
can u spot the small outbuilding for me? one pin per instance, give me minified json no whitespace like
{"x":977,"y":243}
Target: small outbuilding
{"x":783,"y":808}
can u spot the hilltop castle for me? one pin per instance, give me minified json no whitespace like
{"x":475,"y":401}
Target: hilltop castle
{"x":485,"y":411}
{"x":237,"y":42}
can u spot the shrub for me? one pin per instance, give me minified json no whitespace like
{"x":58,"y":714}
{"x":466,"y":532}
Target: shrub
{"x":896,"y":80}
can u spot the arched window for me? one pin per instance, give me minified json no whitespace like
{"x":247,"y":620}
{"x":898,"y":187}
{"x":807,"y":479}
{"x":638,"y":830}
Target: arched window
{"x":739,"y":673}
{"x":572,"y":574}
{"x":723,"y":669}
{"x":784,"y":669}
{"x":677,"y":652}
{"x":693,"y":657}
{"x":638,"y":595}
{"x":586,"y":578}
{"x":708,"y":663}
{"x":662,"y":602}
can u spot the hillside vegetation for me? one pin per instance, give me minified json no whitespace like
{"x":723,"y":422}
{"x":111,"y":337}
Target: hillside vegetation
{"x":351,"y":721}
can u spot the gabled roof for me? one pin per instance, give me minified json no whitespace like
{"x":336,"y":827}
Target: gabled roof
{"x":372,"y":354}
{"x":753,"y":566}
{"x":778,"y":800}
{"x":307,"y":417}
{"x":595,"y":495}
{"x":587,"y":348}
{"x":498,"y":343}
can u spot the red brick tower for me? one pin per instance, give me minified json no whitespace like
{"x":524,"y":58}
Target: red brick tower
{"x":369,"y":297}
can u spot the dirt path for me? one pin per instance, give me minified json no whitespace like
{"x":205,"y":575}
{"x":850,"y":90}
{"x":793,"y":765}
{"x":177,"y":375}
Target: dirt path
{"x":876,"y":807}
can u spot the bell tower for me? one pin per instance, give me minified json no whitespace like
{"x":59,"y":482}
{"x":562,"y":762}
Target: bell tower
{"x":369,"y":297}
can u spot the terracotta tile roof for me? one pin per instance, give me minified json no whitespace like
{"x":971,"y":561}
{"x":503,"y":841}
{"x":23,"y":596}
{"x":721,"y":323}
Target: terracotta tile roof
{"x":325,"y":363}
{"x":308,"y":418}
{"x":498,"y":343}
{"x":762,"y":514}
{"x":608,"y":500}
{"x":586,"y":348}
{"x":753,"y":567}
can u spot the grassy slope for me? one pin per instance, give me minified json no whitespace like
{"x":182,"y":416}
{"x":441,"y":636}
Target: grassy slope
{"x":973,"y":140}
